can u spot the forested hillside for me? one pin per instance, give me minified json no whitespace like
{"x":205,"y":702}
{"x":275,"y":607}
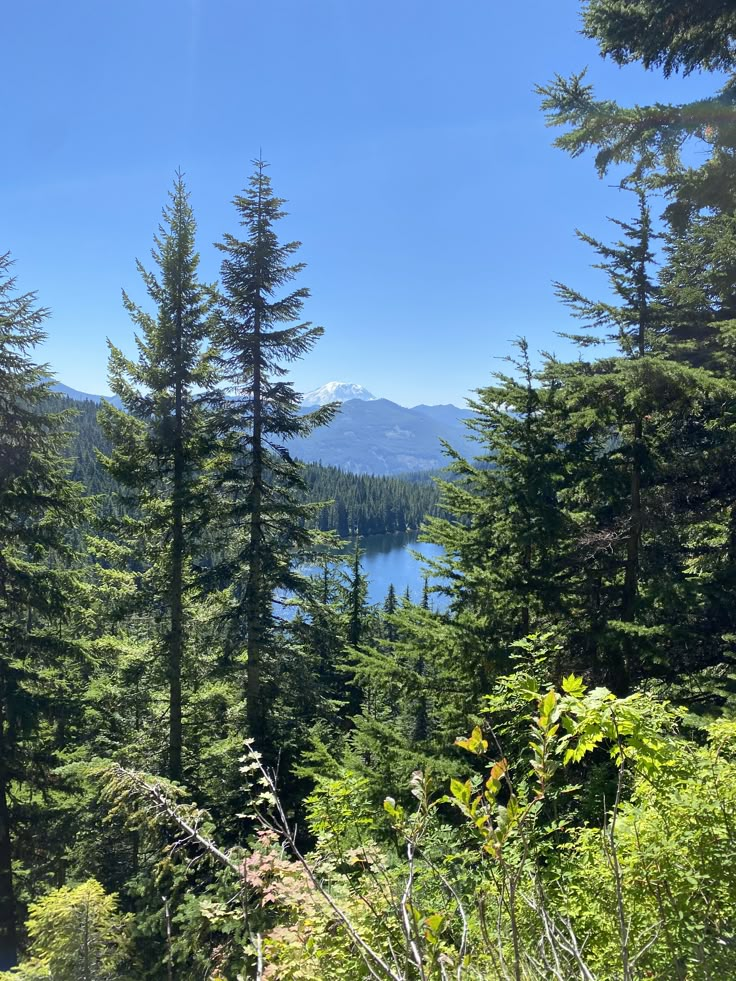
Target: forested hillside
{"x":381,"y":437}
{"x":350,"y":504}
{"x":215,"y":766}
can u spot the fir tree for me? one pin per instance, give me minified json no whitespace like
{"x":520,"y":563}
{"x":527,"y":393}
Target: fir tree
{"x":357,"y":591}
{"x":161,"y":442}
{"x":262,"y":486}
{"x":390,"y":605}
{"x":697,"y":290}
{"x":39,"y":593}
{"x":688,"y":436}
{"x":626,"y":416}
{"x":425,"y":593}
{"x":507,"y":528}
{"x":609,"y":408}
{"x":677,"y":36}
{"x":77,"y":934}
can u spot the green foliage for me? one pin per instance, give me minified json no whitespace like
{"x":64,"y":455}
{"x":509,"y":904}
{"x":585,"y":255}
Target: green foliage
{"x":583,"y":826}
{"x":655,"y":140}
{"x":414,"y":893}
{"x":261,"y":488}
{"x":358,"y":504}
{"x":671,"y":34}
{"x":41,"y":623}
{"x":627,"y":886}
{"x":161,"y":441}
{"x":675,"y":863}
{"x":501,"y":567}
{"x":77,"y":934}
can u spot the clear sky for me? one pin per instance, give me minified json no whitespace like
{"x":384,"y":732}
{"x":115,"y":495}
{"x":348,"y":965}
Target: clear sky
{"x":405,"y":135}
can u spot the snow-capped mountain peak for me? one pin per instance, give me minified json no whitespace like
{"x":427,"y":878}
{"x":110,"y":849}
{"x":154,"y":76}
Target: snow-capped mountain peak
{"x":337,"y":391}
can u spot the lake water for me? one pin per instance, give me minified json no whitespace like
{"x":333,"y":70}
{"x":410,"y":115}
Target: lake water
{"x":388,"y":559}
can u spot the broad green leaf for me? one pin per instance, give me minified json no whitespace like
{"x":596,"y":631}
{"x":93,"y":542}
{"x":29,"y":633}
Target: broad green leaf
{"x":573,"y":686}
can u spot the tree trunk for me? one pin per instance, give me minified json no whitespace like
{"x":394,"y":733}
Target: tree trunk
{"x":633,"y":541}
{"x":255,"y":586}
{"x":8,"y":934}
{"x":527,"y":547}
{"x":631,"y":573}
{"x":421,"y":719}
{"x":628,"y":657}
{"x":176,"y":634}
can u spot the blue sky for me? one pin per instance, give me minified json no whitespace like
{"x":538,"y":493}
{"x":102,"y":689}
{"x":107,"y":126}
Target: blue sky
{"x":405,"y":134}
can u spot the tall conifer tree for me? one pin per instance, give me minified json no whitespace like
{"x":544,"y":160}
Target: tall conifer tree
{"x":39,"y":505}
{"x":262,"y":485}
{"x":686,"y":448}
{"x":162,"y":440}
{"x":625,"y":416}
{"x":506,"y":525}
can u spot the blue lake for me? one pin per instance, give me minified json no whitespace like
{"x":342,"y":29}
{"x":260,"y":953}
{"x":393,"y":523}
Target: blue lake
{"x":388,"y":559}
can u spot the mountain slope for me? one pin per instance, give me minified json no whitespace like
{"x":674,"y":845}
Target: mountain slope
{"x":72,"y":393}
{"x":381,"y":437}
{"x":368,"y":435}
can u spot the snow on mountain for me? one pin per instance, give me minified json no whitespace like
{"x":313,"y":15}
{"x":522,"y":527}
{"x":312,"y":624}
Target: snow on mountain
{"x":337,"y":391}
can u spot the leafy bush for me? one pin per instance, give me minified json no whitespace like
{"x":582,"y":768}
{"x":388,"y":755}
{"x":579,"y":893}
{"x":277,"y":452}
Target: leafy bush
{"x":516,"y":891}
{"x":502,"y":876}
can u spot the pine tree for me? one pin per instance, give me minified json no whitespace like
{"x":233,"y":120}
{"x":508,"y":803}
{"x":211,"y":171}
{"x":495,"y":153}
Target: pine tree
{"x":39,"y":591}
{"x":625,"y":415}
{"x":341,"y":522}
{"x":411,"y":700}
{"x":507,"y":527}
{"x":322,"y":632}
{"x":674,"y":35}
{"x":689,"y":436}
{"x":607,"y":404}
{"x":161,"y":442}
{"x":262,"y":486}
{"x":357,"y":592}
{"x":697,"y":290}
{"x":77,"y":934}
{"x":390,"y":605}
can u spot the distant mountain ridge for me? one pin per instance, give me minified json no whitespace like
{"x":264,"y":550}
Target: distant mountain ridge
{"x":368,"y":435}
{"x":383,"y":438}
{"x":72,"y":393}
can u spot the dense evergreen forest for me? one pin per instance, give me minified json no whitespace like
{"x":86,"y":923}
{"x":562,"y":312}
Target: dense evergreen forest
{"x":358,"y":504}
{"x":350,"y":504}
{"x":203,"y":779}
